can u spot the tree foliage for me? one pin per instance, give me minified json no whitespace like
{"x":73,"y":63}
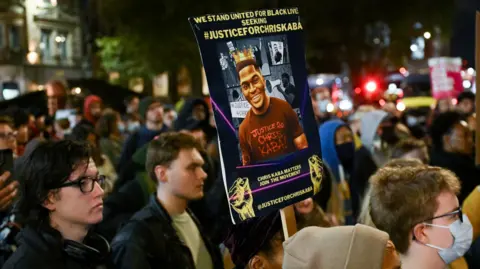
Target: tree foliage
{"x":156,"y":34}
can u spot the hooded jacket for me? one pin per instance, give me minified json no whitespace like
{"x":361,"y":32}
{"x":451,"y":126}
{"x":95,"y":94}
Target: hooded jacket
{"x":346,"y":247}
{"x":369,"y":125}
{"x":330,"y":156}
{"x":89,"y":100}
{"x":185,"y":117}
{"x":357,"y":175}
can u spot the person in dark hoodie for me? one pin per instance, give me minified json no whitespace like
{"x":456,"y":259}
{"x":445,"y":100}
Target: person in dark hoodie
{"x":195,"y":110}
{"x":350,"y":167}
{"x":61,"y":198}
{"x":92,"y":110}
{"x":151,"y":111}
{"x":452,"y":149}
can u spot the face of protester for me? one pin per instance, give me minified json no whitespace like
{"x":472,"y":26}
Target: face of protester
{"x":466,"y":106}
{"x":73,"y":206}
{"x":22,"y":134}
{"x":460,"y":139}
{"x":184,"y":177}
{"x":133,"y":105}
{"x":447,"y":203}
{"x":96,"y":110}
{"x":199,"y":112}
{"x":445,"y":105}
{"x":7,"y":138}
{"x":155,"y":113}
{"x":169,"y":117}
{"x":253,"y":88}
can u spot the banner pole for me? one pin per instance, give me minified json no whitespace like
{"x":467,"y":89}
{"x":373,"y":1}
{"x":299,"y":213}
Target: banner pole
{"x":289,"y":223}
{"x":477,"y":98}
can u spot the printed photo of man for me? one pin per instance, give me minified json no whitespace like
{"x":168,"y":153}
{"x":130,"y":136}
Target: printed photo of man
{"x":271,"y":127}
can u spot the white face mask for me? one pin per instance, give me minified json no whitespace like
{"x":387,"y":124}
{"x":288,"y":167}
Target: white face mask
{"x":462,"y":233}
{"x":411,"y":121}
{"x":322,"y":105}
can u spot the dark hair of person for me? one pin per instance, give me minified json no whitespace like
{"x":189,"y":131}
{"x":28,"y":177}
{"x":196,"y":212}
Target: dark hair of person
{"x":81,"y":133}
{"x":165,"y":149}
{"x":466,"y":96}
{"x":107,"y":125}
{"x":18,"y":115}
{"x":442,"y":126}
{"x":406,"y":145}
{"x":129,"y":99}
{"x":49,"y":165}
{"x":6,"y":120}
{"x":285,"y":75}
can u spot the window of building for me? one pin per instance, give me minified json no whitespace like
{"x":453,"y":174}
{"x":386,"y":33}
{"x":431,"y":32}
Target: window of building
{"x":14,"y":37}
{"x":2,"y":35}
{"x":61,"y":41}
{"x":45,"y":47}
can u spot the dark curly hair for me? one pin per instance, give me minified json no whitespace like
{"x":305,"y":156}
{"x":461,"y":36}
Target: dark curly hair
{"x":48,"y":166}
{"x":442,"y":126}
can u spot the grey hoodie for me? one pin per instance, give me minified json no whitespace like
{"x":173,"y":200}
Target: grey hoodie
{"x":369,"y":124}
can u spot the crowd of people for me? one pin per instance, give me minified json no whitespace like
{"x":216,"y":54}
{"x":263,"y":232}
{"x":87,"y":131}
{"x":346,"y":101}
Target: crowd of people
{"x":144,"y":189}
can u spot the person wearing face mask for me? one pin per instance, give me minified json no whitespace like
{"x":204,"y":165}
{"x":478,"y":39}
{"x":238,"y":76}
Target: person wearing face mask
{"x":169,"y":116}
{"x":379,"y":134}
{"x":195,"y":109}
{"x":350,"y":168}
{"x":418,"y":207}
{"x":452,"y":149}
{"x":340,"y":248}
{"x":320,"y":100}
{"x":92,"y":110}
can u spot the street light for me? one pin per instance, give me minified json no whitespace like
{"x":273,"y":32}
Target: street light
{"x":427,"y":35}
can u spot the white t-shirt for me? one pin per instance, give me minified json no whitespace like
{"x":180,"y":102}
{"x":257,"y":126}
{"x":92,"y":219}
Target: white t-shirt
{"x":188,"y":232}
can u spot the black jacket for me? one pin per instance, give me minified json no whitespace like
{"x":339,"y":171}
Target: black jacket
{"x":462,"y":165}
{"x":46,"y":250}
{"x":149,"y":240}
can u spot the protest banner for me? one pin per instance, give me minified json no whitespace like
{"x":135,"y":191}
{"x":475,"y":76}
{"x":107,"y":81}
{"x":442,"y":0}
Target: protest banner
{"x":268,"y":138}
{"x":445,"y":76}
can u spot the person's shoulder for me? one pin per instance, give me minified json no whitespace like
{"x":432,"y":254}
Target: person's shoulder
{"x":25,"y":257}
{"x":135,"y":231}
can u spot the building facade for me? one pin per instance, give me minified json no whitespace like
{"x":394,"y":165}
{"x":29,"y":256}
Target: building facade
{"x":40,"y":40}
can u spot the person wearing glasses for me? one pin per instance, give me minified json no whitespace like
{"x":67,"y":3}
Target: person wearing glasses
{"x":418,"y":207}
{"x":60,"y":199}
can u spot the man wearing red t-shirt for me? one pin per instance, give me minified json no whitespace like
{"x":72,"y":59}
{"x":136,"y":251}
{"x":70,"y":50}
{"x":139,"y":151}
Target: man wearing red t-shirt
{"x":271,"y":128}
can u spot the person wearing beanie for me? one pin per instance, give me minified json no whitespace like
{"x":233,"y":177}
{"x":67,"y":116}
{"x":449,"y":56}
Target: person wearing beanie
{"x":257,"y":243}
{"x":92,"y":110}
{"x":151,"y":112}
{"x":346,"y":247}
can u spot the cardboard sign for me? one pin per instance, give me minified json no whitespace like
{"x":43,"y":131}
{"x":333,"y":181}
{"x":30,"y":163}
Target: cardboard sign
{"x":269,"y":144}
{"x":445,"y":76}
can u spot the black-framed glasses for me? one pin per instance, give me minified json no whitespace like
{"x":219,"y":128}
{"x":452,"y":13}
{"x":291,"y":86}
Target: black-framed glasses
{"x":457,"y":212}
{"x":85,"y":184}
